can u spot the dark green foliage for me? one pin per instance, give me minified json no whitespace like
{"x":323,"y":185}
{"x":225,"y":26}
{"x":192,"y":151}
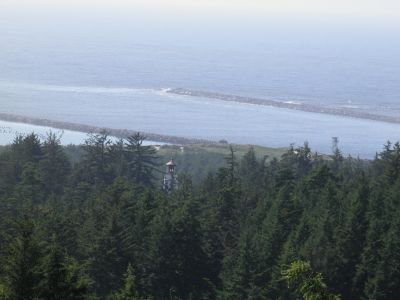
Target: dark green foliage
{"x":26,"y":149}
{"x":97,"y":161}
{"x":128,"y":291}
{"x":75,"y":220}
{"x":54,"y":165}
{"x":179,"y":259}
{"x":307,"y":283}
{"x":21,"y":262}
{"x":61,"y":276}
{"x":107,"y":263}
{"x":141,"y":160}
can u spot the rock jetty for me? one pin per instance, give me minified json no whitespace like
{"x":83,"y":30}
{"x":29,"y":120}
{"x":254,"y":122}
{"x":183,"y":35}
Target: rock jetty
{"x":343,"y":112}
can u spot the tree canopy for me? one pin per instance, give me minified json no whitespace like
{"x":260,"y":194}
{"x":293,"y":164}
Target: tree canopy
{"x":99,"y":225}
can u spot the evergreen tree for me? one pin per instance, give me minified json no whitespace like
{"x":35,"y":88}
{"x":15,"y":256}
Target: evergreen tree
{"x":128,"y":291}
{"x":21,"y":265}
{"x":97,"y":163}
{"x":54,"y":165}
{"x":179,"y":258}
{"x":61,"y":278}
{"x":366,"y":274}
{"x":308,"y":283}
{"x":118,"y":154}
{"x":142,"y":161}
{"x":26,"y":149}
{"x":387,"y":278}
{"x":336,"y":153}
{"x":227,"y":236}
{"x":107,"y":264}
{"x":391,"y":162}
{"x":238,"y":276}
{"x":251,"y":176}
{"x":30,"y":189}
{"x":351,"y":241}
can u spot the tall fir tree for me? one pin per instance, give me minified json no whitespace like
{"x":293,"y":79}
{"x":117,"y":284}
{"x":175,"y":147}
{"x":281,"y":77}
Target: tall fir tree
{"x":21,"y":265}
{"x":141,"y":160}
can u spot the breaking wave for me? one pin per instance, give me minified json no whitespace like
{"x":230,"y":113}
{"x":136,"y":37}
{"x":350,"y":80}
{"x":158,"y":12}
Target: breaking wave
{"x":79,"y":89}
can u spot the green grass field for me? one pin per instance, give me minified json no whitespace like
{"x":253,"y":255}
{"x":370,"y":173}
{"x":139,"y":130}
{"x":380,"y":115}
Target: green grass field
{"x":198,"y":160}
{"x":220,"y":149}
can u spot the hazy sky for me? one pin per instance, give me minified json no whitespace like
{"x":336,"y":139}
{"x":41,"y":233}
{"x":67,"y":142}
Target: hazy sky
{"x":364,"y":8}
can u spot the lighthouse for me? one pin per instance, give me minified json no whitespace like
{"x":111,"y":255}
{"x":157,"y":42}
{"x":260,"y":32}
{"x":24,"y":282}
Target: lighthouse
{"x":170,"y":178}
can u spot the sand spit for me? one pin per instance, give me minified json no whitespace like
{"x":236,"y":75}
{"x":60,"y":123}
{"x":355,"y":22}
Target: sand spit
{"x":120,"y":133}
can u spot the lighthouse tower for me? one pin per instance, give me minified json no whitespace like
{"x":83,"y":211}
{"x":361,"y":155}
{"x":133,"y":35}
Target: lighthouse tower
{"x":170,"y":178}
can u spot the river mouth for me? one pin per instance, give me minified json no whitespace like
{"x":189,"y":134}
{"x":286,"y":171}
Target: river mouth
{"x":171,"y":116}
{"x":87,"y":129}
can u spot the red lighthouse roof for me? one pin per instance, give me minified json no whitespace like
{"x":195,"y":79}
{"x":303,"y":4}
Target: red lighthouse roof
{"x":171,"y":163}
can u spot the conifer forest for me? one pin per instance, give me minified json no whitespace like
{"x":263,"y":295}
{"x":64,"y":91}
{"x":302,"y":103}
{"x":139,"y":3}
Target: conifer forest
{"x":101,"y":226}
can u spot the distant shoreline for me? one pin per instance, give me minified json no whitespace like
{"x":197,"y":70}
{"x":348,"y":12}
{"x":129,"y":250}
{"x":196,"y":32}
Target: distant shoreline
{"x":119,"y":133}
{"x":342,"y":112}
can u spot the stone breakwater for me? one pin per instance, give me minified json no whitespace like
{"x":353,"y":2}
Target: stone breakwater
{"x":344,"y":112}
{"x":119,"y":133}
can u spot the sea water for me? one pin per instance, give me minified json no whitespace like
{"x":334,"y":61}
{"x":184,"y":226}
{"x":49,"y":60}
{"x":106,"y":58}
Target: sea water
{"x":113,"y":74}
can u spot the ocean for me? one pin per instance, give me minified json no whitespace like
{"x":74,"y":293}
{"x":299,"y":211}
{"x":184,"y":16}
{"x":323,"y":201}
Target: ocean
{"x":114,"y":73}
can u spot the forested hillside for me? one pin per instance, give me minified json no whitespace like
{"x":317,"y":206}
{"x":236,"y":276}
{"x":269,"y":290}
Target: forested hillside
{"x":100,"y":227}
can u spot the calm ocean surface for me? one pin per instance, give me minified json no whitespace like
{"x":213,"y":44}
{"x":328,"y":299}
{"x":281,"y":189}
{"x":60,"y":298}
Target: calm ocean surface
{"x":113,"y":74}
